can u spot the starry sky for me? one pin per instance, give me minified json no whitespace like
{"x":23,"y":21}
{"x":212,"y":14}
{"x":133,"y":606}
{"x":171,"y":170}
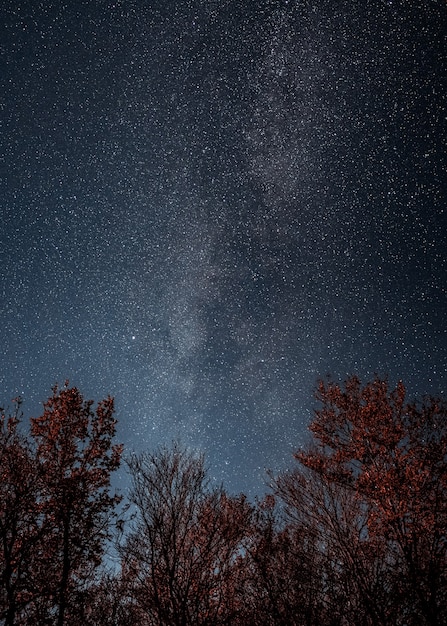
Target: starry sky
{"x":207,"y":205}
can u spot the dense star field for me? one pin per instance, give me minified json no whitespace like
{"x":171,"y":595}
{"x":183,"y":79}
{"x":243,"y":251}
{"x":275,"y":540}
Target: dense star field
{"x":207,"y":205}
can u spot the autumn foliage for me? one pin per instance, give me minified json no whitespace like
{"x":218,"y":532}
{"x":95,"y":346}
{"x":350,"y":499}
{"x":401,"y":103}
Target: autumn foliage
{"x":373,"y":488}
{"x":55,"y":507}
{"x":354,"y":534}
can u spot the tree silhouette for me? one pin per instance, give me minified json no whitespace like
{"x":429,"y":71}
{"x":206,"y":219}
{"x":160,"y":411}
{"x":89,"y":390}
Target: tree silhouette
{"x":55,"y":507}
{"x":355,"y":533}
{"x":20,"y":524}
{"x":375,"y":486}
{"x":283,"y":573}
{"x":181,"y":557}
{"x":75,"y":457}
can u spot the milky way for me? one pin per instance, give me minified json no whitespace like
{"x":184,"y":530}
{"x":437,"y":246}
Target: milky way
{"x":206,"y":206}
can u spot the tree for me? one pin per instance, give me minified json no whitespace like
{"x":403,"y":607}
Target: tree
{"x":20,"y":528}
{"x":181,"y":557}
{"x":107,"y":603}
{"x":75,"y":457}
{"x":284,"y":575}
{"x":382,"y":501}
{"x":350,"y":569}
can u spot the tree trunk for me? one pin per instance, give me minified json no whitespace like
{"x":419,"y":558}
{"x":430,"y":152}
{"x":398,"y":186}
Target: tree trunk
{"x":65,"y":574}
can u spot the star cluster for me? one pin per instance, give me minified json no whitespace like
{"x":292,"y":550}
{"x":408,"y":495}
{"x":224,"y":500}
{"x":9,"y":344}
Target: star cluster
{"x":206,"y":206}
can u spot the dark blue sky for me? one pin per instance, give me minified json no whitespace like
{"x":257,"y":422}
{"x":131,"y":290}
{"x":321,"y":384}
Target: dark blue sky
{"x":208,"y":205}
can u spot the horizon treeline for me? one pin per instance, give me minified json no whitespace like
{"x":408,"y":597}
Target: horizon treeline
{"x":354,"y":534}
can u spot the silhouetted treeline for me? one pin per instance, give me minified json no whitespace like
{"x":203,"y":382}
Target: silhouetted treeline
{"x":354,"y":534}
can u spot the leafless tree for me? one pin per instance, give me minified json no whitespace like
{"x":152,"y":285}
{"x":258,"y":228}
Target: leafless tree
{"x":181,"y":558}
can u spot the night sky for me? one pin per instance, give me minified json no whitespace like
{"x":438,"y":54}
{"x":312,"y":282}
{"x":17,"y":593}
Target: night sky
{"x":207,"y":205}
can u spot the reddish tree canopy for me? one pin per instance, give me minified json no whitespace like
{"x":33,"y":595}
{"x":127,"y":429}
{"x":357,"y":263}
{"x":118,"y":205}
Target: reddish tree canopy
{"x":56,"y":506}
{"x":392,"y":455}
